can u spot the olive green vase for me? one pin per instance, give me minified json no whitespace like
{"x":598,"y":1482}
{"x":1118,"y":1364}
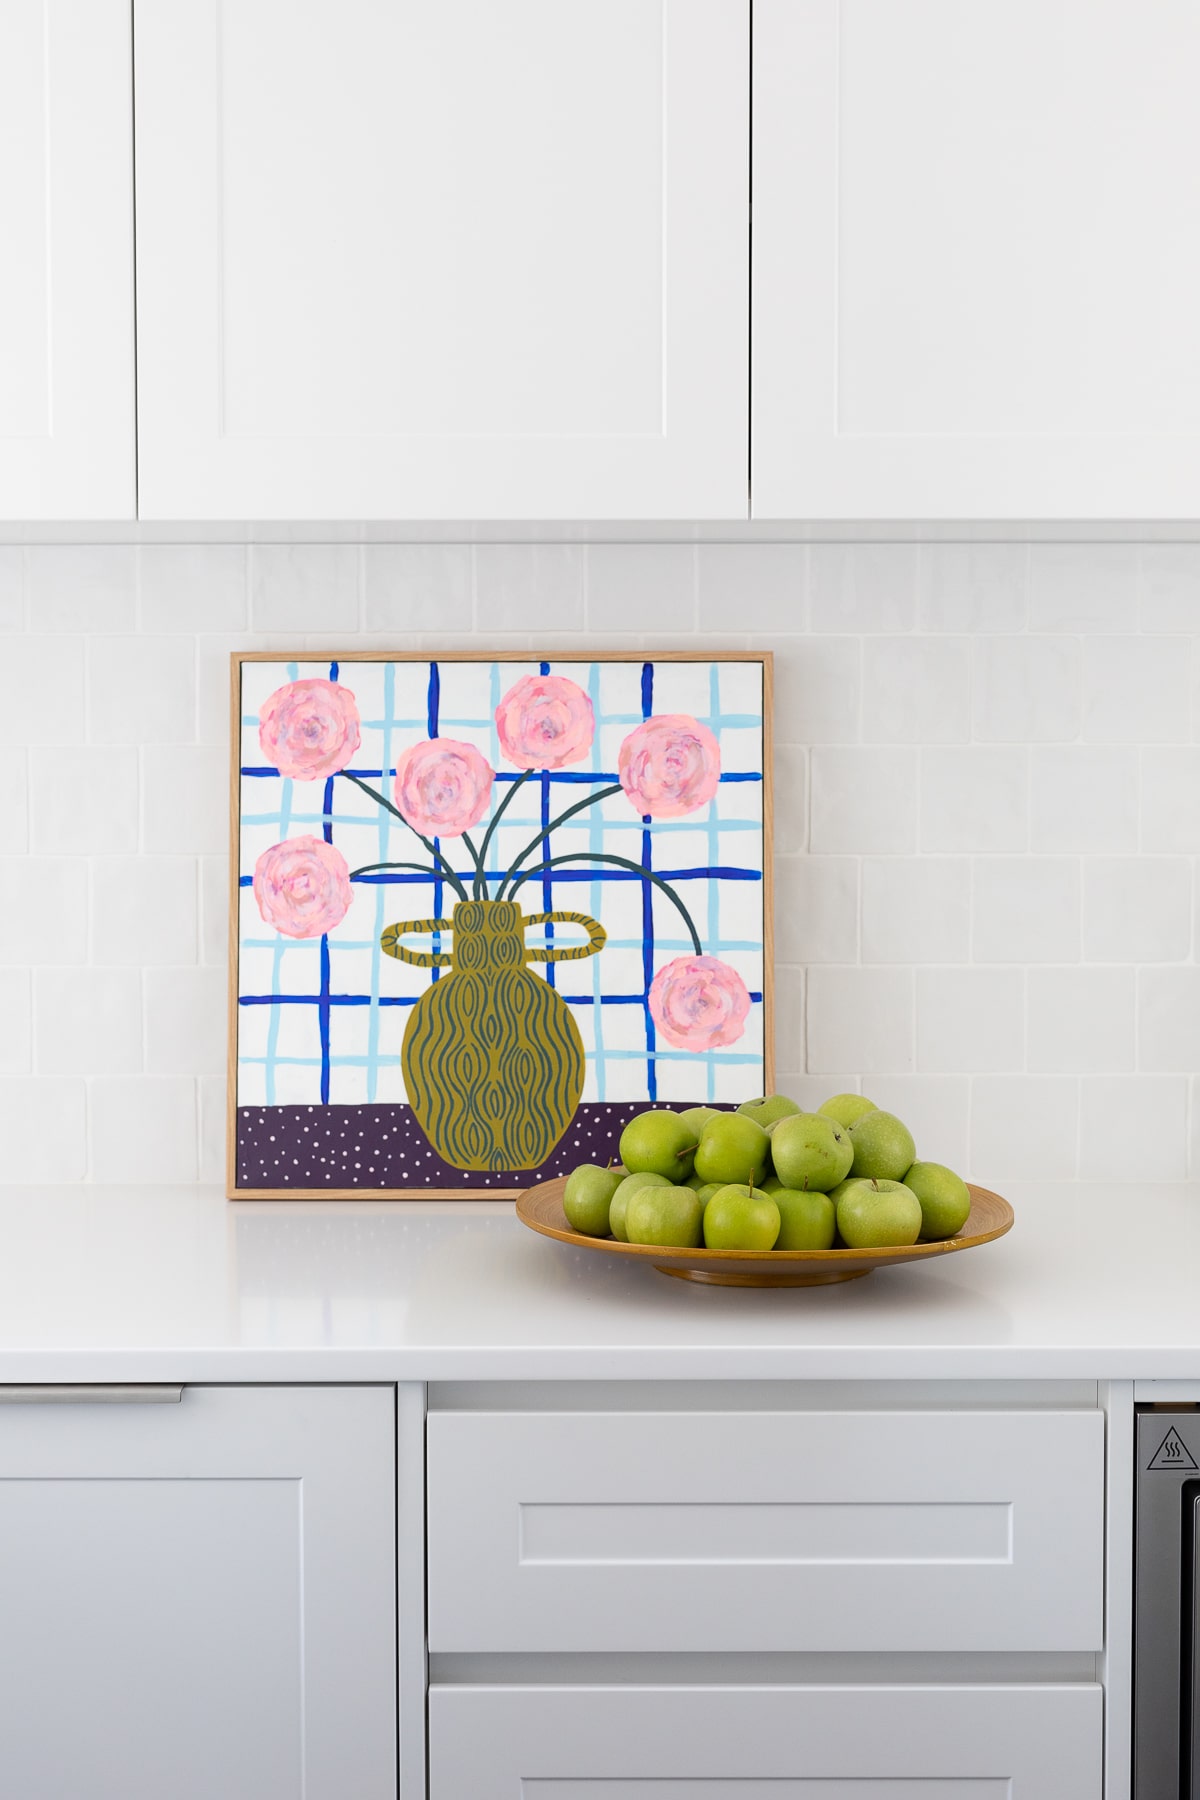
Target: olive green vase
{"x":492,"y":1059}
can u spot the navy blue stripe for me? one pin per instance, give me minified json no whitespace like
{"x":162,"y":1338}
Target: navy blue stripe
{"x":333,"y":671}
{"x":323,"y":1020}
{"x":648,"y":907}
{"x":561,"y":775}
{"x":434,"y":699}
{"x":411,"y":999}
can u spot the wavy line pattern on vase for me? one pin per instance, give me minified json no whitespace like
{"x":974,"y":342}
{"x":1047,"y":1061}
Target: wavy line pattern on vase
{"x":493,"y":1064}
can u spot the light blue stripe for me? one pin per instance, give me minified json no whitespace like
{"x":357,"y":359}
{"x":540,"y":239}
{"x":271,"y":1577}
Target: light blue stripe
{"x":385,"y":820}
{"x":595,"y":844}
{"x":285,"y":810}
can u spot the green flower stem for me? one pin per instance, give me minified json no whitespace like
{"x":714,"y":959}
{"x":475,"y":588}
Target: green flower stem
{"x":436,"y":854}
{"x":621,"y":862}
{"x":531,"y":846}
{"x":481,"y":878}
{"x":475,"y":858}
{"x":370,"y":868}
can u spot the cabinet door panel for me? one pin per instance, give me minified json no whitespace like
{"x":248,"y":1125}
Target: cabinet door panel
{"x":464,"y":260}
{"x":781,"y":1743}
{"x":766,"y":1531}
{"x":199,"y":1599}
{"x":66,"y":294}
{"x":976,"y":259}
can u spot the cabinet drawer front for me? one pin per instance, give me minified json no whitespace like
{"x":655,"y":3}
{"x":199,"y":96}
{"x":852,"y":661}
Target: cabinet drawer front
{"x":765,"y":1531}
{"x":771,"y":1743}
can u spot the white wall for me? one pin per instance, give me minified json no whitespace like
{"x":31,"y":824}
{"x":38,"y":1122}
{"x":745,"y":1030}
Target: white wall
{"x":987,"y":819}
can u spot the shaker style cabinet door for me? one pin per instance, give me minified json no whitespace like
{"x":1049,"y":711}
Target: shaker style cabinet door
{"x":976,"y":259}
{"x":66,"y":260}
{"x":198,"y":1599}
{"x":455,"y":260}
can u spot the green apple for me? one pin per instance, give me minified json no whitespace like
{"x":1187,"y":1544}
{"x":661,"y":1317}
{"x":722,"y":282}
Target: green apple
{"x":807,"y":1220}
{"x":705,"y":1193}
{"x":945,"y":1199}
{"x":624,"y":1194}
{"x":767,"y":1108}
{"x":587,"y":1197}
{"x":697,"y":1117}
{"x":809,"y":1151}
{"x":733,"y":1148}
{"x":741,"y":1217}
{"x":883,"y":1146}
{"x":770,"y":1184}
{"x":665,"y":1215}
{"x":658,"y":1143}
{"x":846,"y":1108}
{"x":874,"y":1215}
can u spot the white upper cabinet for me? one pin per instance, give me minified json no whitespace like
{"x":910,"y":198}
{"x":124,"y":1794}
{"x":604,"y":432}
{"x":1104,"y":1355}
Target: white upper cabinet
{"x":976,"y":259}
{"x":457,"y":260}
{"x":66,"y":260}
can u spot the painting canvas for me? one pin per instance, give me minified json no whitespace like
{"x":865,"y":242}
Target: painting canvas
{"x":487,"y":908}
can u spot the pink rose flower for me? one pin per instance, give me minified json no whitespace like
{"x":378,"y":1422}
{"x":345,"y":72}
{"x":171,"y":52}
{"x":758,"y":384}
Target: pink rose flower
{"x":699,"y":1003}
{"x":545,"y":722}
{"x":443,"y":787}
{"x":669,"y":766}
{"x":302,"y":887}
{"x":309,"y":729}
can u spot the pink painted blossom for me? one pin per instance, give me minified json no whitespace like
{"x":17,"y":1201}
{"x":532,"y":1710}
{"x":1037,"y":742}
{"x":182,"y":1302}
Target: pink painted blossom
{"x":443,"y":787}
{"x":302,"y":887}
{"x":670,"y":765}
{"x":545,"y":722}
{"x":309,"y":729}
{"x":699,"y":1003}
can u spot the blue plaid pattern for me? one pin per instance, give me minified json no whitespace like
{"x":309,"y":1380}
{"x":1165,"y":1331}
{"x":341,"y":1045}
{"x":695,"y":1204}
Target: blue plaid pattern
{"x":322,"y":1019}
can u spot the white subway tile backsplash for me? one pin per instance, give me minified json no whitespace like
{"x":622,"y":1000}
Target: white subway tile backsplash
{"x":916,"y":690}
{"x":16,"y":1022}
{"x":143,"y":1128}
{"x":304,"y":587}
{"x":916,"y":909}
{"x":141,"y":690}
{"x":185,"y":800}
{"x":860,"y":1018}
{"x":1168,"y":1019}
{"x":1137,"y":690}
{"x":143,"y":910}
{"x":1083,"y":797}
{"x":1026,"y":690}
{"x":755,"y":587}
{"x":193,"y":587}
{"x":1023,"y":1127}
{"x":417,"y":587}
{"x":970,"y":1021}
{"x":862,"y":587}
{"x":1083,"y":587}
{"x":974,"y":799}
{"x":1025,"y":909}
{"x":818,"y":682}
{"x":44,"y":700}
{"x":87,"y":1020}
{"x":1133,"y":1130}
{"x":82,"y":587}
{"x":1170,"y":800}
{"x":43,"y":1129}
{"x":863,"y":800}
{"x":83,"y":802}
{"x":987,"y":801}
{"x":973,"y":587}
{"x":1080,"y":1021}
{"x":185,"y":1021}
{"x":1137,"y":909}
{"x":816,"y":914}
{"x":43,"y":910}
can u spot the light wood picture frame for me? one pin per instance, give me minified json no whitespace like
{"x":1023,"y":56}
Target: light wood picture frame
{"x":402,"y":1022}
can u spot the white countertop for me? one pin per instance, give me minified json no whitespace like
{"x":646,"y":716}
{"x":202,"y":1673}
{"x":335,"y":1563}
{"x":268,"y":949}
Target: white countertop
{"x":177,"y":1284}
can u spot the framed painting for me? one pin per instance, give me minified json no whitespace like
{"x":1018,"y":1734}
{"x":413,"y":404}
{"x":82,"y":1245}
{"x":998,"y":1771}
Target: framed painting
{"x":485,"y":908}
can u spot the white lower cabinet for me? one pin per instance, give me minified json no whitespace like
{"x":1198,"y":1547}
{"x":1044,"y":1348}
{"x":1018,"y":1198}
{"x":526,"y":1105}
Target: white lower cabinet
{"x":198,"y":1593}
{"x":765,"y":1743}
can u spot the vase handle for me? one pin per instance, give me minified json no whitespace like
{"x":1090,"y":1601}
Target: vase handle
{"x":423,"y":959}
{"x":597,"y":937}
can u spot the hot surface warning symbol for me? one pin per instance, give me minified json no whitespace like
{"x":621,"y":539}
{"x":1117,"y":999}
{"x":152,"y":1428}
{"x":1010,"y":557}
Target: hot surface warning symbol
{"x":1172,"y":1453}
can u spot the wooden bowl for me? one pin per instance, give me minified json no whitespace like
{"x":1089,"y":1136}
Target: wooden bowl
{"x":541,"y":1209}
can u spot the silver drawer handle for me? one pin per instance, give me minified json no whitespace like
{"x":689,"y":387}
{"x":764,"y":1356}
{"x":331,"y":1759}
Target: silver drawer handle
{"x":91,"y":1393}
